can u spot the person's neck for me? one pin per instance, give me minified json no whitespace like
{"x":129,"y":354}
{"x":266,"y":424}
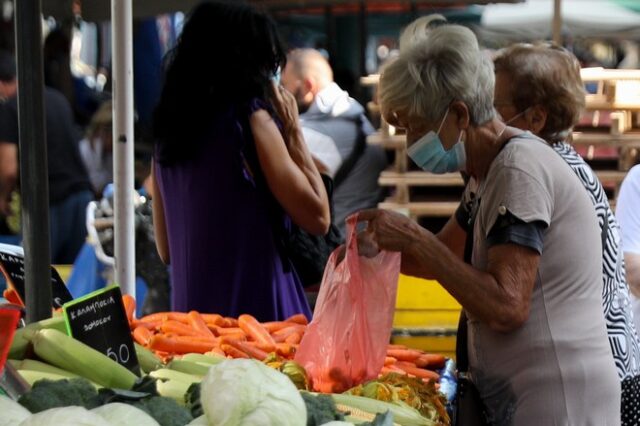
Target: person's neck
{"x":486,"y":143}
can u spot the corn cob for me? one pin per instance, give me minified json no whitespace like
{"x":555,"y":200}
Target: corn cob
{"x":33,"y":365}
{"x":189,"y":367}
{"x":166,"y":374}
{"x":70,"y":354}
{"x":147,"y":360}
{"x":23,"y":336}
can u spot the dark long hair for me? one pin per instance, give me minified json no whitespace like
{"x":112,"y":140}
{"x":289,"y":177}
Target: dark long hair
{"x":226,"y":55}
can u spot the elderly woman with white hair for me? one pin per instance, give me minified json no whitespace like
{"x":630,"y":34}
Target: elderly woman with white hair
{"x":538,"y":349}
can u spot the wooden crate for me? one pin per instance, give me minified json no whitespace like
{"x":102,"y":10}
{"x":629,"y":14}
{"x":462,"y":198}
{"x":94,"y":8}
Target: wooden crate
{"x":426,"y":316}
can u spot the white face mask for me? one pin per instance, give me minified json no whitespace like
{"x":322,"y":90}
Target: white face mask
{"x":429,"y":153}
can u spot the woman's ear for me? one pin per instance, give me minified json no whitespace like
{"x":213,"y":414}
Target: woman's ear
{"x":461,"y":113}
{"x":536,"y":118}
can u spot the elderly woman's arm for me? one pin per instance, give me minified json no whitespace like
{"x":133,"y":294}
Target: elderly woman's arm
{"x":499,"y":296}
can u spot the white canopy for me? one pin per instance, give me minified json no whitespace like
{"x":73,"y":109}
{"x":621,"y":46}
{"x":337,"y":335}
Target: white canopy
{"x":582,"y":18}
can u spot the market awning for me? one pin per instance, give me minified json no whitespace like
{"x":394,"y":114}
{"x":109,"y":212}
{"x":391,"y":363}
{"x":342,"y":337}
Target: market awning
{"x":100,"y":10}
{"x":532,"y":20}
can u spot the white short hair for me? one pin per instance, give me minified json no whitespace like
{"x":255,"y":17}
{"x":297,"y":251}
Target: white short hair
{"x":419,"y":29}
{"x":435,"y":70}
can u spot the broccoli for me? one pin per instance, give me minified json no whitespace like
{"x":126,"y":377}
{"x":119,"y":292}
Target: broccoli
{"x":45,"y":394}
{"x":321,"y":409}
{"x":165,"y":411}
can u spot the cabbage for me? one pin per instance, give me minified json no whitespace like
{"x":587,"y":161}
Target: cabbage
{"x":119,"y":414}
{"x":67,"y":416}
{"x":243,"y":392}
{"x":199,"y":421}
{"x":12,"y":412}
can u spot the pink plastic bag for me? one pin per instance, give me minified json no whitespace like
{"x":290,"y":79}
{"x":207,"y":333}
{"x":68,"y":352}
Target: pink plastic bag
{"x":346,"y":343}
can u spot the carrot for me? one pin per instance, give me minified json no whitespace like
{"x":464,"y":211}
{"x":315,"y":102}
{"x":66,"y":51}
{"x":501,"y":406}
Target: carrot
{"x":230,"y":322}
{"x":142,"y":335}
{"x":198,"y":324}
{"x":216,"y":351}
{"x":165,"y":357}
{"x":430,"y":361}
{"x":404,"y":354}
{"x":149,"y":325}
{"x":298,"y":319}
{"x":163,"y":316}
{"x":179,"y":345}
{"x":213,"y":319}
{"x":233,"y":351}
{"x":221,"y":331}
{"x":293,"y":338}
{"x":275,"y":325}
{"x":129,"y":306}
{"x":418,"y":372}
{"x":392,"y":346}
{"x":249,"y":349}
{"x":287,"y":350}
{"x":389,"y":360}
{"x":178,"y":328}
{"x":235,"y":336}
{"x":281,"y":335}
{"x":392,"y":369}
{"x":256,"y":331}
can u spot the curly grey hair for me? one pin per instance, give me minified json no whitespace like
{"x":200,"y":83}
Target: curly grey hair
{"x":435,"y":70}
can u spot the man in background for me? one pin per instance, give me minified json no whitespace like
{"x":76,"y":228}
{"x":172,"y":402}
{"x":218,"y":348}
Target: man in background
{"x":69,"y":186}
{"x":335,"y":129}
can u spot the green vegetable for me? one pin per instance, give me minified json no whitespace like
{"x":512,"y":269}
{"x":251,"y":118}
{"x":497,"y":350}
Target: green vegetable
{"x":32,"y":377}
{"x":46,"y":394}
{"x":320,"y":409}
{"x":189,"y":367}
{"x":147,"y":359}
{"x":166,"y":374}
{"x":165,"y":411}
{"x":67,"y":416}
{"x":72,"y":355}
{"x":402,"y":413}
{"x":199,"y":421}
{"x":23,"y":336}
{"x":12,"y":412}
{"x":296,"y":373}
{"x":119,"y":414}
{"x":243,"y":392}
{"x":33,"y":365}
{"x":203,"y":359}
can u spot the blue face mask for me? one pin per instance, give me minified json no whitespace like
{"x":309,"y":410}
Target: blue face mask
{"x":429,"y":153}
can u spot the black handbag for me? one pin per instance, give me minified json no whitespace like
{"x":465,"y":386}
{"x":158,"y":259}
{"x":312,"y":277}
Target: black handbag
{"x":469,"y":408}
{"x":309,"y":253}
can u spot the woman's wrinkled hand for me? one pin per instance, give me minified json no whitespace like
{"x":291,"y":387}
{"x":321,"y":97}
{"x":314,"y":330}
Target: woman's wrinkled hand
{"x":388,"y":230}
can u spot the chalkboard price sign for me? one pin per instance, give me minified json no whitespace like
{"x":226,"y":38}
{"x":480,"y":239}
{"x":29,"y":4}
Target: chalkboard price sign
{"x":12,"y":267}
{"x":100,"y":321}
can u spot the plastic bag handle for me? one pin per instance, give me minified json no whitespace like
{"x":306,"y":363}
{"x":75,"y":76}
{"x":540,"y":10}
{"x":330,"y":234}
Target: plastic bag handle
{"x":352,"y":235}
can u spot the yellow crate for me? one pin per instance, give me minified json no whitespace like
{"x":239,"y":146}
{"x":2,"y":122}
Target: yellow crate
{"x":426,"y":316}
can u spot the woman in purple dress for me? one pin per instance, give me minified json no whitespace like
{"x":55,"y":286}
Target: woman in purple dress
{"x":231,"y":169}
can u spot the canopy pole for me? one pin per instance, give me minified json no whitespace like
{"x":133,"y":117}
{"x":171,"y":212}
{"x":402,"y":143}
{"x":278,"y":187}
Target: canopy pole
{"x":557,"y":22}
{"x":122,"y":54}
{"x":33,"y":159}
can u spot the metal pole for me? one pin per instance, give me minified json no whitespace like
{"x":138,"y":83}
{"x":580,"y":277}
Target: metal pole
{"x":33,"y":159}
{"x":122,"y":54}
{"x":557,"y":22}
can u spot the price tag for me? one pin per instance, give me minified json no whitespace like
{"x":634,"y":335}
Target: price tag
{"x":12,"y":267}
{"x":100,"y":321}
{"x":8,"y":321}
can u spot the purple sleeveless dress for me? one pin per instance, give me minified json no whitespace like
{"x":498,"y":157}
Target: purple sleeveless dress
{"x":225,"y":228}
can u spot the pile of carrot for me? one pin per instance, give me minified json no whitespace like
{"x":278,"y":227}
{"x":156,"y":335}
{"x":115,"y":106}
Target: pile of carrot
{"x":175,"y":333}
